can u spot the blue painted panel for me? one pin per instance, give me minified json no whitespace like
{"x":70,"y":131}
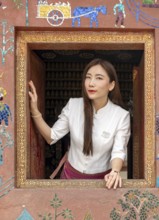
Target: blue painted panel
{"x":25,"y":215}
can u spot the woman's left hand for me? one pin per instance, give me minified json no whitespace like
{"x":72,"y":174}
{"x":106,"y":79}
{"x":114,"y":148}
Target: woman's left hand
{"x":113,"y":180}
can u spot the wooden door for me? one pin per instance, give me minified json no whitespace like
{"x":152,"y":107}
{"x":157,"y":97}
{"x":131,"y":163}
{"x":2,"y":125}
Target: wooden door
{"x":36,"y":155}
{"x":138,"y":121}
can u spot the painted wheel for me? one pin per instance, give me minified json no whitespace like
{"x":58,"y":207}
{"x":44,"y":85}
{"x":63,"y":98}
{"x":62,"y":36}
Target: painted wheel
{"x":55,"y":17}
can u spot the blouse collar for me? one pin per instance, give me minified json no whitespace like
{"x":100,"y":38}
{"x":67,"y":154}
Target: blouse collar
{"x":102,"y":110}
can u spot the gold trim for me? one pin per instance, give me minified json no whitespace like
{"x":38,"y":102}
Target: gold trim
{"x":51,"y":39}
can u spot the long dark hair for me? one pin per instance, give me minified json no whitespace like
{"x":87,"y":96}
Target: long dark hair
{"x":114,"y":96}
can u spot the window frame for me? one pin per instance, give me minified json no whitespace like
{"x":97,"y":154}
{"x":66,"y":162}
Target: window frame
{"x":26,"y":39}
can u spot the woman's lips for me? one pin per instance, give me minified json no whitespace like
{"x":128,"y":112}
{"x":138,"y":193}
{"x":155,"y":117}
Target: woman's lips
{"x":92,"y":91}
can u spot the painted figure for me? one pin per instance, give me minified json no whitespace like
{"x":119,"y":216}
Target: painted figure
{"x":5,"y":141}
{"x":2,"y":6}
{"x":119,"y":11}
{"x":5,"y":112}
{"x":88,"y":12}
{"x":4,"y":49}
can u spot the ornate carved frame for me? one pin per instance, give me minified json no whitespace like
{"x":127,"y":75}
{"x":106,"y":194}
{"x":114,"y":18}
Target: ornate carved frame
{"x":96,"y":39}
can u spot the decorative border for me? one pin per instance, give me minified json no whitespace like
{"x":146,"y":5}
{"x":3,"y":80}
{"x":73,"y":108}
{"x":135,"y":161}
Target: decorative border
{"x":111,"y":39}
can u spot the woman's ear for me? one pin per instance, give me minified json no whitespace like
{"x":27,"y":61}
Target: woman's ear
{"x":111,"y":86}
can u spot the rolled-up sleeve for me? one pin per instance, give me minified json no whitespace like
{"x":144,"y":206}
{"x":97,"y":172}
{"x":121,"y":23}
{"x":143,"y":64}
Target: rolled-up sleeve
{"x":121,"y":138}
{"x":61,"y":126}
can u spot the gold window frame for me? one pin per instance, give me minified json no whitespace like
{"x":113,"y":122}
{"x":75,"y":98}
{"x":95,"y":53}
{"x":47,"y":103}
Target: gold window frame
{"x":112,"y":39}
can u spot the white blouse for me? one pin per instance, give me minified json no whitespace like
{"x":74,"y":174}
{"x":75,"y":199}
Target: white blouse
{"x":110,"y":135}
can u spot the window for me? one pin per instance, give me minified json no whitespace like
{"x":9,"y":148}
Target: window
{"x":35,"y":50}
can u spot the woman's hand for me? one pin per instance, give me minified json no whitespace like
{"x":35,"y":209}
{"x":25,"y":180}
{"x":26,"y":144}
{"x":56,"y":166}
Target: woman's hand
{"x":33,"y":98}
{"x":41,"y":125}
{"x":113,"y":179}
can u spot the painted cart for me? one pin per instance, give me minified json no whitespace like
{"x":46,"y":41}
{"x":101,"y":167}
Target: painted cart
{"x":58,"y":12}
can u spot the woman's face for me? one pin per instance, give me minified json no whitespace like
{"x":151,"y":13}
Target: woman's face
{"x":97,"y":84}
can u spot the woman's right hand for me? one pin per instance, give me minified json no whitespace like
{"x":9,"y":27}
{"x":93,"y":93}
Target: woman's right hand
{"x":41,"y":125}
{"x":33,"y":98}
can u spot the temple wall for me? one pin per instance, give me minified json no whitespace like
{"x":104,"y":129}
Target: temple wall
{"x":69,"y":203}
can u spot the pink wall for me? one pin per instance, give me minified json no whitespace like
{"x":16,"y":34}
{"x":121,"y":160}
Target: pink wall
{"x":83,"y":203}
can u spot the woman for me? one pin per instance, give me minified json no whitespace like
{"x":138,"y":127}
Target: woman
{"x":99,"y":127}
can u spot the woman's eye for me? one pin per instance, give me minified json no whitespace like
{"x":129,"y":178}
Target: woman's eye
{"x":88,"y":77}
{"x":100,"y":78}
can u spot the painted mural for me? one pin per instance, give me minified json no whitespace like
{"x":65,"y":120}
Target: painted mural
{"x":137,"y":205}
{"x":7,"y":42}
{"x":88,"y":12}
{"x":150,"y":3}
{"x":56,"y":203}
{"x":119,"y":12}
{"x":56,"y":13}
{"x":6,"y":186}
{"x":141,"y":15}
{"x":133,"y":204}
{"x":16,"y":4}
{"x":5,"y":112}
{"x":6,"y":141}
{"x":25,"y":215}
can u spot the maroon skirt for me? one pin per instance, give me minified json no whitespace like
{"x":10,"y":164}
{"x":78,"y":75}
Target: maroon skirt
{"x":69,"y":172}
